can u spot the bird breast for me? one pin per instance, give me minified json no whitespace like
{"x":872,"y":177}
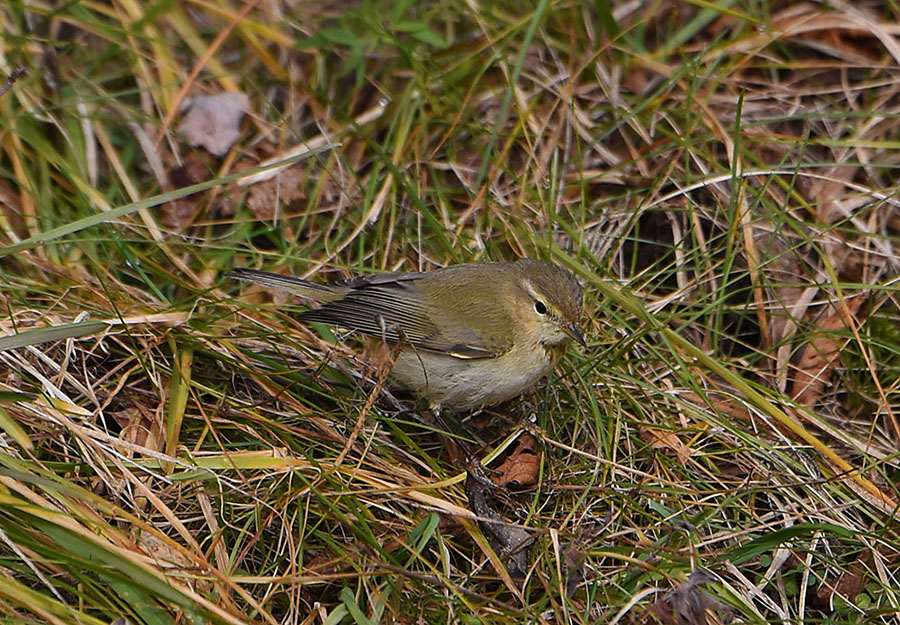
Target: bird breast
{"x":459,"y":384}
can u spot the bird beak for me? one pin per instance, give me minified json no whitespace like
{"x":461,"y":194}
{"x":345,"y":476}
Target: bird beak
{"x":572,"y":330}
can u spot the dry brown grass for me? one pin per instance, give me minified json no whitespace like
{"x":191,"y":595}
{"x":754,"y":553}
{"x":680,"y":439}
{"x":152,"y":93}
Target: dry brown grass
{"x":722,"y":180}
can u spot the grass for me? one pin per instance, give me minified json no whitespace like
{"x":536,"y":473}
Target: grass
{"x":721,"y":177}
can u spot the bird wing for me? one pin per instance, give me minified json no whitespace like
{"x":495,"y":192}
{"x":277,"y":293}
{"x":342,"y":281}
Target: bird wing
{"x":391,"y":307}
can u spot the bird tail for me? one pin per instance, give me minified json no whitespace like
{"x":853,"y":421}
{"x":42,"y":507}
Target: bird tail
{"x":303,"y":288}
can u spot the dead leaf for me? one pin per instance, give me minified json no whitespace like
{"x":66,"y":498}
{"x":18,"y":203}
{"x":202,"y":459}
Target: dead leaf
{"x":784,"y":272}
{"x":836,"y":200}
{"x":521,"y":467}
{"x":163,"y":552}
{"x":850,"y":583}
{"x":179,"y":214}
{"x":815,"y":367}
{"x":11,"y":213}
{"x":574,"y":569}
{"x":509,"y":541}
{"x":722,"y":405}
{"x":170,"y":557}
{"x":214,"y":121}
{"x":139,"y":427}
{"x":451,"y":526}
{"x":284,"y":189}
{"x":328,"y":567}
{"x":689,"y":604}
{"x":893,"y":222}
{"x":666,"y":442}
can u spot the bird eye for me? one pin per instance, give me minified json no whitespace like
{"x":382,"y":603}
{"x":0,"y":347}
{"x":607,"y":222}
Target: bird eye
{"x":540,"y":307}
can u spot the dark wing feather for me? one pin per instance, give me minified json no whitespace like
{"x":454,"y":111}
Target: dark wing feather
{"x":383,"y":310}
{"x":378,"y":279}
{"x":388,"y":306}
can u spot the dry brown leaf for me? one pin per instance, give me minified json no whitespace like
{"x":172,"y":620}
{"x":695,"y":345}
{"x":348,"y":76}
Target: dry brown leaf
{"x":139,"y":427}
{"x":815,"y":368}
{"x":179,"y":214}
{"x":163,"y":552}
{"x":170,"y":557}
{"x":690,"y":604}
{"x":848,"y":586}
{"x":834,"y":197}
{"x":11,"y":217}
{"x":574,"y":568}
{"x":214,"y":121}
{"x":326,"y":566}
{"x":726,"y":406}
{"x":836,"y":200}
{"x":785,"y":271}
{"x":666,"y":442}
{"x":893,"y":222}
{"x":509,"y":541}
{"x":266,"y":196}
{"x":521,"y":467}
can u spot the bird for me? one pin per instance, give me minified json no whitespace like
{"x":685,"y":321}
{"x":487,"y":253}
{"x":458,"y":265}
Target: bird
{"x":469,"y":336}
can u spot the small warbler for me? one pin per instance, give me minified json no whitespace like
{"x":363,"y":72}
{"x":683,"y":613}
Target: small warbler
{"x":470,"y":335}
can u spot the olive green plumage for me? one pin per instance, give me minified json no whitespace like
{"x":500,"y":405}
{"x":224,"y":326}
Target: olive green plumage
{"x":473,"y":335}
